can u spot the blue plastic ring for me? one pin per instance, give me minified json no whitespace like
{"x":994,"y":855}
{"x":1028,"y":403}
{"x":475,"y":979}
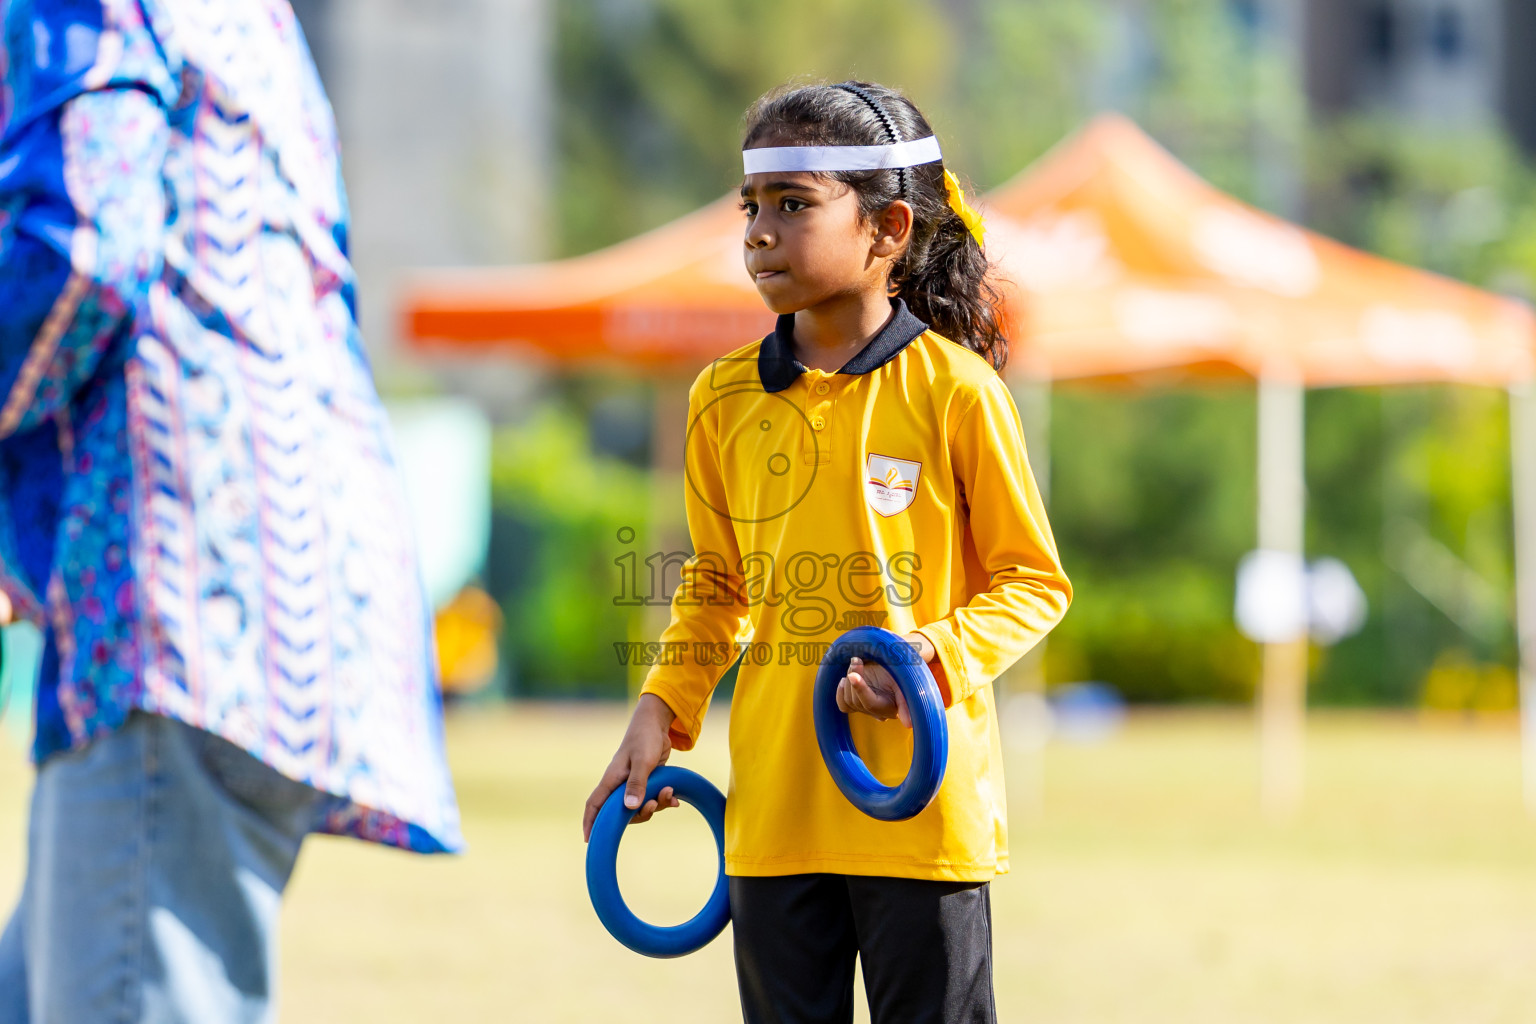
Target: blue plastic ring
{"x":603,"y":864}
{"x":930,"y":729}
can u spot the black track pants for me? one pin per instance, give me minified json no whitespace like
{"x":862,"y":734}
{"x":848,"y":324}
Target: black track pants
{"x":925,"y":947}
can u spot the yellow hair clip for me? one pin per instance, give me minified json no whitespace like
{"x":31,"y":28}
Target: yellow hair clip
{"x":957,"y":203}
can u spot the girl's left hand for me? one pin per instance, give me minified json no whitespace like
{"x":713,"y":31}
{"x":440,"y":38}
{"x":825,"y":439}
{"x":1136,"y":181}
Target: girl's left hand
{"x":870,"y":690}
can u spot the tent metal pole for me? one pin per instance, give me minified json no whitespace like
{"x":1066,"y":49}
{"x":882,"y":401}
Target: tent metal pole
{"x":1522,"y":447}
{"x":1282,"y":527}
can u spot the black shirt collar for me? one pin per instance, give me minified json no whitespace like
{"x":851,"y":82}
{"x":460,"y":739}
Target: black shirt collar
{"x":778,"y":367}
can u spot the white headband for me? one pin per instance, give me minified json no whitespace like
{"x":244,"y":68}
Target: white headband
{"x":842,"y":158}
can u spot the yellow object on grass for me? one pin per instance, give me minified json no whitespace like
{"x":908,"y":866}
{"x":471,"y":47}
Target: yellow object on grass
{"x":467,"y":629}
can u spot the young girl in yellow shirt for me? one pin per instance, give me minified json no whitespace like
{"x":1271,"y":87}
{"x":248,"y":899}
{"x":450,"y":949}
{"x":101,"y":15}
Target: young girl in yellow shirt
{"x":862,"y":464}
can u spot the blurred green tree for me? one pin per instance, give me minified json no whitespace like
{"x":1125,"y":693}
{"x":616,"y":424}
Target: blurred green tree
{"x":1411,"y":485}
{"x":560,"y":508}
{"x":1152,"y":498}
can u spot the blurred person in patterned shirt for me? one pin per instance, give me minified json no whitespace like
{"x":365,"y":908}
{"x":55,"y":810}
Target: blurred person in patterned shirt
{"x":198,"y":505}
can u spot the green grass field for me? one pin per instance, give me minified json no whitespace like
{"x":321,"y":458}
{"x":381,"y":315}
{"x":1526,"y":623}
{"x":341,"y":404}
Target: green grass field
{"x":1146,"y":888}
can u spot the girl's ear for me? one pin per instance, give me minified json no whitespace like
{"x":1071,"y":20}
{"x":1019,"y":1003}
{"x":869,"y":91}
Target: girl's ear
{"x":893,"y":229}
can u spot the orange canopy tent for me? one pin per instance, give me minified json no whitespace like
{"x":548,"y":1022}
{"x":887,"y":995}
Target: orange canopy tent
{"x":673,"y":298}
{"x":1116,"y":260}
{"x":1119,"y":260}
{"x":1122,"y":260}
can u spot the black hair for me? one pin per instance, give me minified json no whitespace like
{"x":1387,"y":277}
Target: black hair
{"x":943,"y":275}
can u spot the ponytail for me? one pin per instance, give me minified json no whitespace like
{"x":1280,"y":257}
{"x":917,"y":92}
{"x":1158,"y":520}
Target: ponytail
{"x":944,"y":276}
{"x":944,"y":279}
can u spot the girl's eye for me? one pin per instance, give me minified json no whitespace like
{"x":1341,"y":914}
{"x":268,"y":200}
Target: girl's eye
{"x":793,"y":205}
{"x":749,"y":208}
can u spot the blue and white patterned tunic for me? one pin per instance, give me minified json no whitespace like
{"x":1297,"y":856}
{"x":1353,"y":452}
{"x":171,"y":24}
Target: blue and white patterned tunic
{"x":198,"y":499}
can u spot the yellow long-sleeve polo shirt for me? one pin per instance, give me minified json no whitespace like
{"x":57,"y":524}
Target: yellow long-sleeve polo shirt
{"x":894,"y":492}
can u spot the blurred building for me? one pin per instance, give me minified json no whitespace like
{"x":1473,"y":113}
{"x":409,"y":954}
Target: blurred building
{"x":1450,"y":62}
{"x":444,"y":114}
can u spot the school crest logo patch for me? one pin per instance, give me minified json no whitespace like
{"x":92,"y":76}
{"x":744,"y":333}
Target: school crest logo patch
{"x":890,"y":484}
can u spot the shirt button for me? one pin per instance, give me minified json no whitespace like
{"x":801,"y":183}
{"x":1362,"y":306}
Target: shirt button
{"x":823,"y":388}
{"x":818,"y":422}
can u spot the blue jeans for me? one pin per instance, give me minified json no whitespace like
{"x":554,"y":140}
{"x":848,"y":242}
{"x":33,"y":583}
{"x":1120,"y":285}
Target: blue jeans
{"x":156,"y":861}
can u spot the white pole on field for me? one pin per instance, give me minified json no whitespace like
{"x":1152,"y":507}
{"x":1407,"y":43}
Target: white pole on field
{"x":1522,"y":447}
{"x":1281,"y":111}
{"x":1282,"y":697}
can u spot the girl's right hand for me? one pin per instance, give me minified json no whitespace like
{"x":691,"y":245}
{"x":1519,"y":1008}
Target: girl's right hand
{"x":645,"y":746}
